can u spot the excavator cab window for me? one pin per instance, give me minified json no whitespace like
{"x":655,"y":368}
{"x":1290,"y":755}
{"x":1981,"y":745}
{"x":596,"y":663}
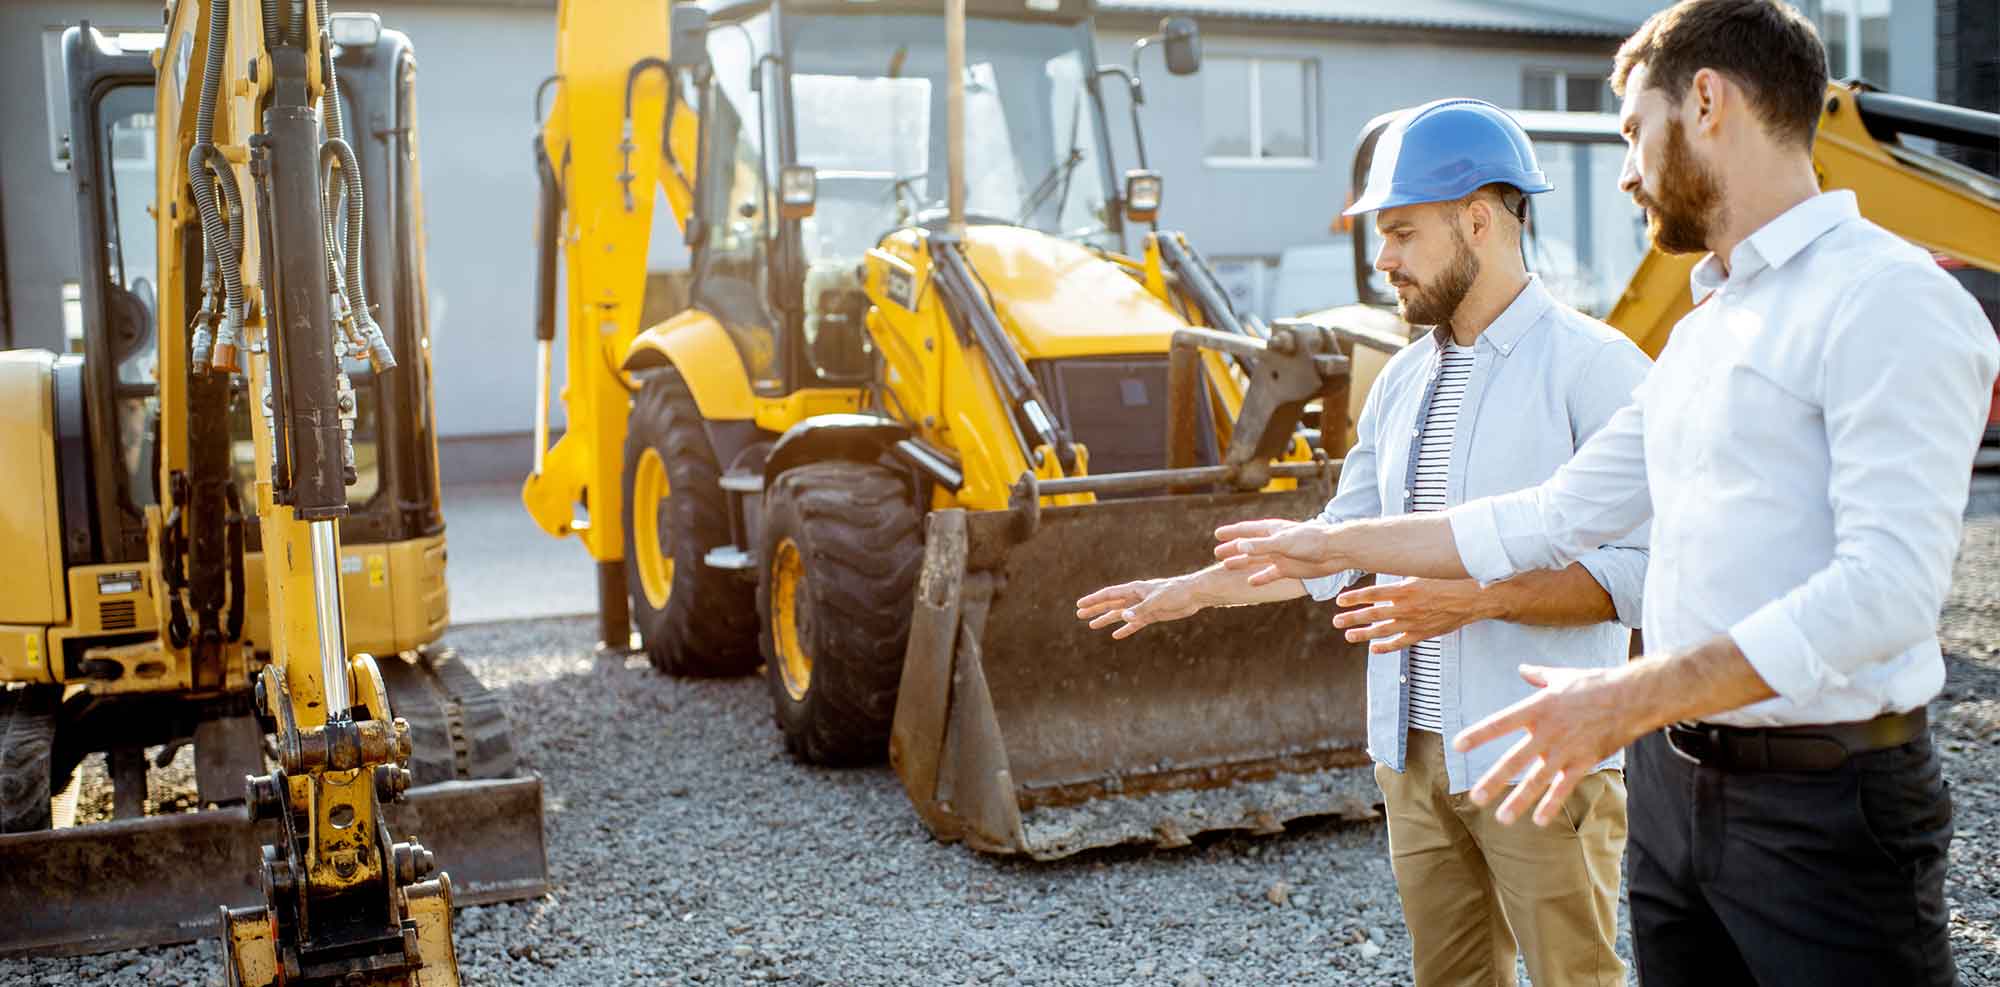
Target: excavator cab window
{"x":125,"y":142}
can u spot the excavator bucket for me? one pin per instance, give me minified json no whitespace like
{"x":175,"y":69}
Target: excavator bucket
{"x":1020,"y":730}
{"x":159,"y":879}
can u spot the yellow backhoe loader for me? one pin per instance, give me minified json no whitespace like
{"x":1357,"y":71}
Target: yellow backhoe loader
{"x":1588,"y":241}
{"x":224,"y":227}
{"x":908,"y":417}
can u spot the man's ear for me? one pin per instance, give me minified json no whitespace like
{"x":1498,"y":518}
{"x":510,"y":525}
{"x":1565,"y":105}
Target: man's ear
{"x":1478,"y":219}
{"x":1708,"y":93}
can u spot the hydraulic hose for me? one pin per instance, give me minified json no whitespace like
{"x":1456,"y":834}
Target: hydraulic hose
{"x":355,"y":286}
{"x":216,"y":169}
{"x":215,"y":229}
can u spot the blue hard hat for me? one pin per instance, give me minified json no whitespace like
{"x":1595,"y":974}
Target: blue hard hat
{"x":1444,"y":150}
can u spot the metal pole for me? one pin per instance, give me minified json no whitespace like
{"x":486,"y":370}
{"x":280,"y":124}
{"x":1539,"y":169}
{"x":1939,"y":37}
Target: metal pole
{"x":954,"y":41}
{"x":326,"y":604}
{"x":542,"y":361}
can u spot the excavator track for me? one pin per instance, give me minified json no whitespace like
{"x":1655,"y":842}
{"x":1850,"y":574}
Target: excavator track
{"x":458,"y":727}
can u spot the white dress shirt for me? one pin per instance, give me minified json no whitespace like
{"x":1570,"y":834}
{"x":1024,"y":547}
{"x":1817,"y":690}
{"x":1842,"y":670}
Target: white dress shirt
{"x":1804,"y":450}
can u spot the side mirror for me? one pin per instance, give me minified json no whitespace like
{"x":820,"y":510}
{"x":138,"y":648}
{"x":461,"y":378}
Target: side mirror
{"x":798,"y":191}
{"x":688,"y":44}
{"x":1142,"y":195}
{"x":1183,"y":43}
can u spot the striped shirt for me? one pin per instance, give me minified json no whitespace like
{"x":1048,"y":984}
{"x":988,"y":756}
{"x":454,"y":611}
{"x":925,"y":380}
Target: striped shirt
{"x":1433,"y":470}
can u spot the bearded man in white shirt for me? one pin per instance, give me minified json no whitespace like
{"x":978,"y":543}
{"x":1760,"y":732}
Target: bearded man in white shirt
{"x":1803,"y":449}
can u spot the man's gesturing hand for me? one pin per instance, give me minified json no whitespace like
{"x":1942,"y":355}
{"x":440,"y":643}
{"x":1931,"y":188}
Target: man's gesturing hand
{"x":1138,"y":603}
{"x":1397,"y":615}
{"x":1577,"y":719}
{"x":1297,"y":550}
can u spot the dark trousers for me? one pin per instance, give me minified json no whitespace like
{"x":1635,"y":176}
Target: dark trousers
{"x":1789,"y":878}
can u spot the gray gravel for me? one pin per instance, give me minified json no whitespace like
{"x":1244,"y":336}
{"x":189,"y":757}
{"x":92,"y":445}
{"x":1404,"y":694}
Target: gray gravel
{"x":686,"y":848}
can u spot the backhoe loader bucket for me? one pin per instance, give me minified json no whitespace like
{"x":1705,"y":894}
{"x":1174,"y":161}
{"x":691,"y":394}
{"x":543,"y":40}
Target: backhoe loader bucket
{"x":158,"y":879}
{"x":1021,"y":730}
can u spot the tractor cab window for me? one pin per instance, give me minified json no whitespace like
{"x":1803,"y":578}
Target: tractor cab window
{"x":867,"y":104}
{"x":730,"y":270}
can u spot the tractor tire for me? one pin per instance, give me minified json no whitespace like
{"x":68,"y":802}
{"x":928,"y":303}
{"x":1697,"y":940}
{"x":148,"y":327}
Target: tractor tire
{"x":27,"y":744}
{"x":841,"y":550}
{"x":695,"y":620}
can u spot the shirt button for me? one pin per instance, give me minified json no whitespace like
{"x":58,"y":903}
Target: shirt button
{"x":1403,"y":679}
{"x":1416,"y":432}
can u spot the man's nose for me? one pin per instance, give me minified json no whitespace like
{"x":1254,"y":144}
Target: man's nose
{"x":1628,"y":175}
{"x":1385,"y":261}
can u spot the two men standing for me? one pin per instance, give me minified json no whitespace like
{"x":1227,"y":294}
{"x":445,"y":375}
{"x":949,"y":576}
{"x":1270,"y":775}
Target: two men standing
{"x":1802,"y":452}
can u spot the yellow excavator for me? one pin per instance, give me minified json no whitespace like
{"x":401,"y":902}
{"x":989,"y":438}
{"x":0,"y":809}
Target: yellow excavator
{"x":1584,"y":237}
{"x":920,"y":401}
{"x":254,"y":391}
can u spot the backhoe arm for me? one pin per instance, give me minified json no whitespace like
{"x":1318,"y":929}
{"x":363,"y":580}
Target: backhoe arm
{"x":1950,"y":210}
{"x":619,"y":135}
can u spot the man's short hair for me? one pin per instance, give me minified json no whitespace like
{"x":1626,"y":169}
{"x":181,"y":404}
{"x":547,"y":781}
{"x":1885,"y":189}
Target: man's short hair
{"x":1764,"y":46}
{"x":1512,"y":201}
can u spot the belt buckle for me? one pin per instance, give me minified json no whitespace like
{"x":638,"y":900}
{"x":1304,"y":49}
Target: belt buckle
{"x":1695,"y":743}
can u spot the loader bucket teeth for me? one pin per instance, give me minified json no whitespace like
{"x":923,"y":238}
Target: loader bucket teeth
{"x":1021,"y":730}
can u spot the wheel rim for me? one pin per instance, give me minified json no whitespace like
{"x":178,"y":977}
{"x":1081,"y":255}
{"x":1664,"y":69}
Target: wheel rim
{"x":650,"y":490}
{"x":795,"y":666}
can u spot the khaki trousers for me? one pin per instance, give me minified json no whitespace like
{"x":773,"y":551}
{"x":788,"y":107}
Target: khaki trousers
{"x":1472,"y":888}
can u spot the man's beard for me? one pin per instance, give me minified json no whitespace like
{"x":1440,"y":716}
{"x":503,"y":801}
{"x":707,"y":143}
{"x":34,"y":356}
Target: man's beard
{"x":1434,"y":304}
{"x":1680,"y":220}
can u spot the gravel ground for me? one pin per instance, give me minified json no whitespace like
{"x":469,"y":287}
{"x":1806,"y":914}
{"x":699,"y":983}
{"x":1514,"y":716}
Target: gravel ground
{"x":686,"y":848}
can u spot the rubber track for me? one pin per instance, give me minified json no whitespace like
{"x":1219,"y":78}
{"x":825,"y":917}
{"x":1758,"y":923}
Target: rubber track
{"x":27,"y":740}
{"x":458,"y":727}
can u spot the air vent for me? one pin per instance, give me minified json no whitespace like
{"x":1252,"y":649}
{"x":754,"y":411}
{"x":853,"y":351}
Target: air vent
{"x":118,"y":615}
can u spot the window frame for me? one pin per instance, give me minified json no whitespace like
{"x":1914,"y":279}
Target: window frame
{"x":1255,"y":92}
{"x":1563,"y":75}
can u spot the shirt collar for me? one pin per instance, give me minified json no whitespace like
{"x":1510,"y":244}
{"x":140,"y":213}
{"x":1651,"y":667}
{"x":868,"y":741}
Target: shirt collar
{"x":1514,"y":321}
{"x":1777,"y":241}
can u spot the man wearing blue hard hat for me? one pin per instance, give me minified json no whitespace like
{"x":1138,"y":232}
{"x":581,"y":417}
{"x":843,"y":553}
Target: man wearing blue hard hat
{"x":1494,"y":399}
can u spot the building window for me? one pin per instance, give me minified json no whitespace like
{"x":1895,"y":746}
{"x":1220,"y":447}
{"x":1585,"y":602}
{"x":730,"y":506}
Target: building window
{"x":1575,"y":92}
{"x":1258,"y":111}
{"x":1856,"y":33}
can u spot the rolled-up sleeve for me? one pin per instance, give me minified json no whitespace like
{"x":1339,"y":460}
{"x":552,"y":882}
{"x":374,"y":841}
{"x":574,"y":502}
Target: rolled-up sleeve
{"x":1606,"y":385}
{"x":1358,"y":496}
{"x":1596,"y":498}
{"x":1903,"y":412}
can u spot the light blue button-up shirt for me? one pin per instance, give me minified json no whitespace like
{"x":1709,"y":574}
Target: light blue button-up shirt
{"x":1544,"y":378}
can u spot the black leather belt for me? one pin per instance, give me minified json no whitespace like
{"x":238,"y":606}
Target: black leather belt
{"x":1816,"y":747}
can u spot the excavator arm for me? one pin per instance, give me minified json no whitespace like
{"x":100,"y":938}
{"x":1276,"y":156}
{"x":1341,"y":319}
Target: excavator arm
{"x":261,"y":252}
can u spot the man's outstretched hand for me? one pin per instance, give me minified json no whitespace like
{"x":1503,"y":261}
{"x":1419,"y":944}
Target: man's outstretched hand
{"x":1578,"y":718}
{"x":1394,"y":616}
{"x":1138,"y":603}
{"x":1300,"y":550}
